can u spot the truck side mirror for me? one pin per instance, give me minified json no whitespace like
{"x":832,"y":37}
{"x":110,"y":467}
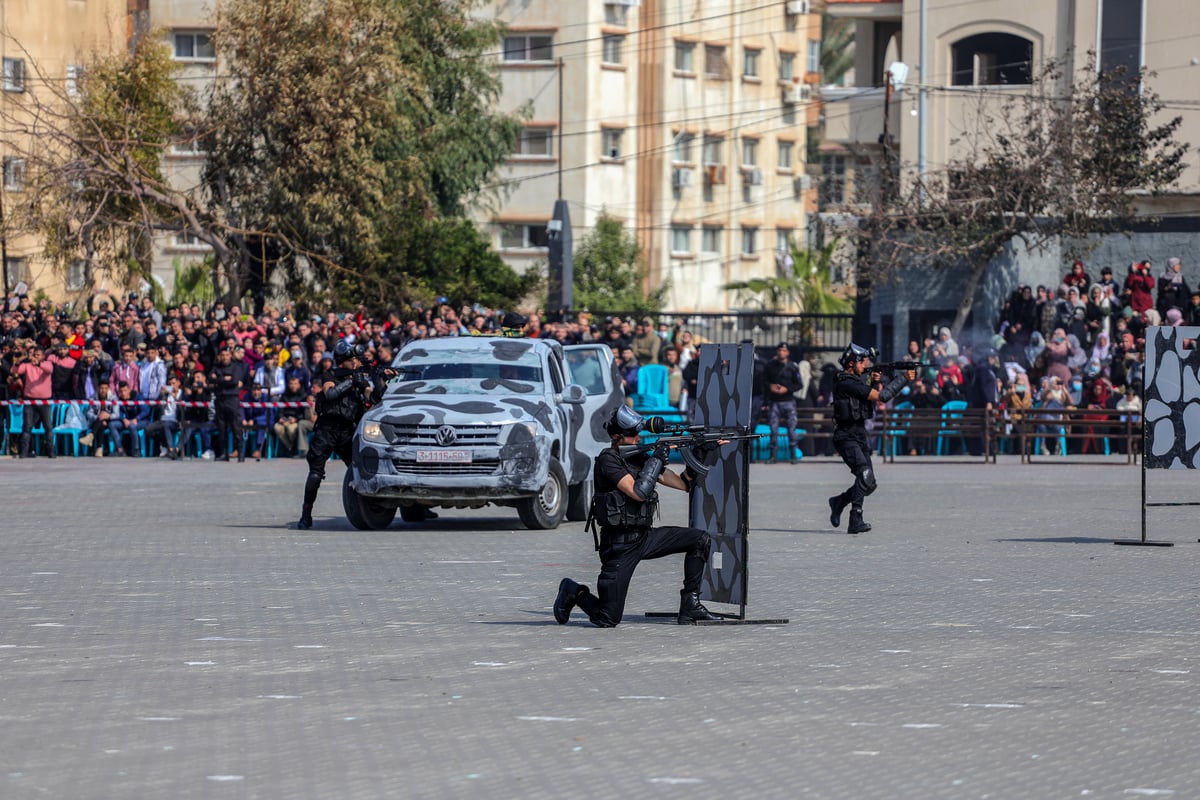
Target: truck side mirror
{"x":572,"y":395}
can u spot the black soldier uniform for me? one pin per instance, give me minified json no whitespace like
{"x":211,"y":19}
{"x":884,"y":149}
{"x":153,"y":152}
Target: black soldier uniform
{"x":341,"y":403}
{"x":626,"y":536}
{"x":853,"y":404}
{"x":226,"y":379}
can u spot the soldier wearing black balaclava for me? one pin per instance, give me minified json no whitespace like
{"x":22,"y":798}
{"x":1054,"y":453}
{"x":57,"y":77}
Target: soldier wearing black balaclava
{"x":624,"y":507}
{"x":341,"y":402}
{"x":854,"y":402}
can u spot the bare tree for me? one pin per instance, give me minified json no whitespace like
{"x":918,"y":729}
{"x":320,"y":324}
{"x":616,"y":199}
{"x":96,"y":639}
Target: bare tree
{"x":1063,"y":161}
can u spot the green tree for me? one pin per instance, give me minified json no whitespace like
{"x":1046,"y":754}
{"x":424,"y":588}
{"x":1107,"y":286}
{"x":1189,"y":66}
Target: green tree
{"x":610,"y":274}
{"x":347,"y":124}
{"x":450,"y":257}
{"x":1061,"y":162}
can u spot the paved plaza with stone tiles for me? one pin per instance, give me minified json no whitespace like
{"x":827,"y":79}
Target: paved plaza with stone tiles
{"x":166,"y":634}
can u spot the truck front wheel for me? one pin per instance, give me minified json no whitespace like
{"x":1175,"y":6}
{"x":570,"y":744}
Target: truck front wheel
{"x":364,"y":513}
{"x":545,"y":510}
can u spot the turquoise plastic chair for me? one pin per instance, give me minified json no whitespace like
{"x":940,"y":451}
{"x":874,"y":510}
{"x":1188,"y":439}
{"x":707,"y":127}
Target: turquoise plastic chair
{"x":901,"y":419}
{"x":652,"y":387}
{"x":1062,"y":443}
{"x":16,"y":421}
{"x":951,"y":411}
{"x":62,"y":427}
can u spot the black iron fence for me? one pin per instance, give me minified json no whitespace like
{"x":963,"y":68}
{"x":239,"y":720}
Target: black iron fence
{"x":803,"y":332}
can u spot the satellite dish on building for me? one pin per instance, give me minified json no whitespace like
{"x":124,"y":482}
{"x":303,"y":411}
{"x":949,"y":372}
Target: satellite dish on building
{"x":899,"y":73}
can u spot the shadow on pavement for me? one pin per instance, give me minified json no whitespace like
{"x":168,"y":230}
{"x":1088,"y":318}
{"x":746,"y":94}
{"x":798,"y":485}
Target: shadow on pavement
{"x":1064,"y":540}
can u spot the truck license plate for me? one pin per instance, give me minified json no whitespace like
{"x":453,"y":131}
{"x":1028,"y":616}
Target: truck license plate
{"x":443,"y":456}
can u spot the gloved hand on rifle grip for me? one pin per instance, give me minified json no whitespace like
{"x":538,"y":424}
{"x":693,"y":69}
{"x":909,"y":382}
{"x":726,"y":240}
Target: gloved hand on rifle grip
{"x":662,"y":453}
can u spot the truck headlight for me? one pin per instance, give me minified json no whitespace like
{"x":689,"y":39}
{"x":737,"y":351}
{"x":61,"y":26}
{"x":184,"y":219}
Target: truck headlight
{"x":372,"y":432}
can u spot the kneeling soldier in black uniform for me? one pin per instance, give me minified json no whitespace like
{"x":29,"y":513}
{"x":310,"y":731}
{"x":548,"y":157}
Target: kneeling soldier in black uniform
{"x":624,"y":506}
{"x":341,"y":402}
{"x":853,"y":404}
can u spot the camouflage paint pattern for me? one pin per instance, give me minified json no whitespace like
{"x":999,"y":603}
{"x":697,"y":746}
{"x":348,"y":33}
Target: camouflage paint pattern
{"x":1171,"y":403}
{"x":510,"y":427}
{"x":721,"y":508}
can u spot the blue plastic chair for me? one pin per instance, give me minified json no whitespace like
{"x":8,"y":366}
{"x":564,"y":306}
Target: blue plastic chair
{"x":16,"y":421}
{"x":63,"y":428}
{"x":901,"y":418}
{"x":652,"y":387}
{"x":951,"y":411}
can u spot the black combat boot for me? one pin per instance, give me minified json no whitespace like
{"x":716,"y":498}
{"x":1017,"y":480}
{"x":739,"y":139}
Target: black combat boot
{"x":691,"y":610}
{"x":305,"y":521}
{"x":568,"y":590}
{"x":856,"y":521}
{"x":837,"y":504}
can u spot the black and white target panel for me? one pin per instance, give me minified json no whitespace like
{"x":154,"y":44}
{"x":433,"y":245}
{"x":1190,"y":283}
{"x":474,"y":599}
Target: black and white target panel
{"x":1170,"y":410}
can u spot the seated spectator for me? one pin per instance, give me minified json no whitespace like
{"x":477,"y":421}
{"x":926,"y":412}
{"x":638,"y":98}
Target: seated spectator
{"x":127,"y":420}
{"x":256,"y":421}
{"x":198,"y":416}
{"x":1130,"y":406}
{"x":98,"y":416}
{"x":165,"y":426}
{"x":292,"y":425}
{"x":1052,"y":426}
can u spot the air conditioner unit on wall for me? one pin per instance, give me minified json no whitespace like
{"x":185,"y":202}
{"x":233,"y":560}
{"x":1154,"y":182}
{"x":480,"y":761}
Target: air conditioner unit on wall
{"x":797,"y":7}
{"x":681,"y":177}
{"x":754,"y":177}
{"x":714,"y":174}
{"x":803,"y":183}
{"x":796,"y":93}
{"x":625,"y":2}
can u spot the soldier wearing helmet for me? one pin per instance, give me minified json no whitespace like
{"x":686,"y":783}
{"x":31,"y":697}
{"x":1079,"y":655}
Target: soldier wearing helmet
{"x":624,"y":507}
{"x":342,"y":399}
{"x":854,"y":401}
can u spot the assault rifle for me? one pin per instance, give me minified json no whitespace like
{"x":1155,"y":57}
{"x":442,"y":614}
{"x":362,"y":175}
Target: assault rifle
{"x":694,"y":442}
{"x":898,"y":366}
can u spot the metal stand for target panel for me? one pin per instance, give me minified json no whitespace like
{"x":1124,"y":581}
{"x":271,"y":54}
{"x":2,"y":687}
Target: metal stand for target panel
{"x":721,"y":506}
{"x":1171,"y":387}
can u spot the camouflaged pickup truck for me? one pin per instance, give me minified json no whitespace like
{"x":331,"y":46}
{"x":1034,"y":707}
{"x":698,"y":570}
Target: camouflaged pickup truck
{"x":477,"y":420}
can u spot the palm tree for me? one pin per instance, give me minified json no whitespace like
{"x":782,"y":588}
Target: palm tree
{"x":805,"y":287}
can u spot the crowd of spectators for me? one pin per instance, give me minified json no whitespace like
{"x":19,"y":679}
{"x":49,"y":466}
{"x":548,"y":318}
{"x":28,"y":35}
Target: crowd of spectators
{"x":155,"y":376}
{"x":1078,"y":345}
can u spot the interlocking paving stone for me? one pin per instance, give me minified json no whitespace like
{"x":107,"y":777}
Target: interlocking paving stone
{"x":166,"y":634}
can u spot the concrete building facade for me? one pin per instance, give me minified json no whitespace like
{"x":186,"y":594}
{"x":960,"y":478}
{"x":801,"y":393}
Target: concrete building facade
{"x":976,"y":54}
{"x":686,"y":121}
{"x":44,"y":45}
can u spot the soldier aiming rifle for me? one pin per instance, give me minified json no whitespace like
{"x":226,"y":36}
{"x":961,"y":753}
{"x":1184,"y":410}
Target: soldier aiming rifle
{"x":625,"y":506}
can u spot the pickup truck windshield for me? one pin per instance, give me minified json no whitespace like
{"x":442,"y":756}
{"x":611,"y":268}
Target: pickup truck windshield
{"x":454,"y":372}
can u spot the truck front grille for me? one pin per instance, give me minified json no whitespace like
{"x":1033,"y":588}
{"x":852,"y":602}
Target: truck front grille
{"x":487,"y":467}
{"x":423,"y":435}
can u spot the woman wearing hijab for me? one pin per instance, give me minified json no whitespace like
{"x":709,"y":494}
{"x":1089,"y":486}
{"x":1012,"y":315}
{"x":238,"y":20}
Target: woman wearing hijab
{"x":1102,"y":352}
{"x":1034,"y":363}
{"x":1056,"y":355}
{"x":1173,"y":291}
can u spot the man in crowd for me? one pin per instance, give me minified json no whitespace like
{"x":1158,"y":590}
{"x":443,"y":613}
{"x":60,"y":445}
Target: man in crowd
{"x":228,"y":379}
{"x":781,"y":379}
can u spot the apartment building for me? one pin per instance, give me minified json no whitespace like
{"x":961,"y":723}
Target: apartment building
{"x":43,"y":45}
{"x":980,"y":53}
{"x":991,"y":48}
{"x":686,"y":121}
